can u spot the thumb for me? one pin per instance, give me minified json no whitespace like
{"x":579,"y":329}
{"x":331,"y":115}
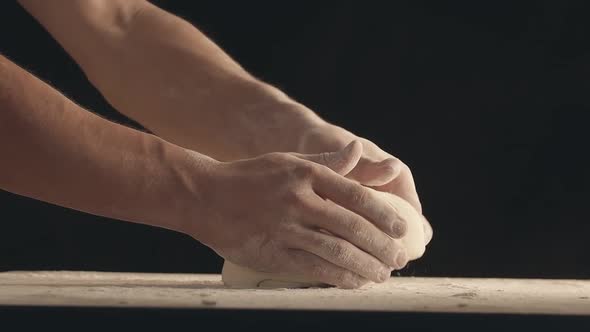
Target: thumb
{"x":376,"y":173}
{"x":341,"y":162}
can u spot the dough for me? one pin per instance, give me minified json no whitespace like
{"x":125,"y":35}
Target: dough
{"x":241,"y":277}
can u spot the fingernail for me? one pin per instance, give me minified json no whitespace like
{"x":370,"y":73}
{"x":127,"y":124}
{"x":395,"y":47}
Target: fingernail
{"x":401,"y":259}
{"x":399,"y":228}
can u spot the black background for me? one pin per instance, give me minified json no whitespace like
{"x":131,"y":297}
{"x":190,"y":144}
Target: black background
{"x":487,"y":101}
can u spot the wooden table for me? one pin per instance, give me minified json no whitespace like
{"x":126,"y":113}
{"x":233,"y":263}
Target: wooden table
{"x":399,"y":295}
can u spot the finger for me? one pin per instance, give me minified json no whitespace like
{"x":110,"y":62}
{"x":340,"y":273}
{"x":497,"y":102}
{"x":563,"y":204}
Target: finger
{"x":340,"y":252}
{"x":358,"y":231}
{"x":427,"y":231}
{"x":341,"y":162}
{"x":361,"y":200}
{"x":375,"y":173}
{"x":403,"y":185}
{"x":317,"y":268}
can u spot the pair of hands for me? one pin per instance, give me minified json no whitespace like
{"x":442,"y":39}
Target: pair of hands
{"x":268,"y":212}
{"x":297,"y":213}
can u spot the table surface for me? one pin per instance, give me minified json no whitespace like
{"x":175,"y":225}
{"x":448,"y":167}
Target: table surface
{"x":399,"y":294}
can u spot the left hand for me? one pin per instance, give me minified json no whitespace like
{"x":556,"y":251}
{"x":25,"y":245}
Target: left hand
{"x":376,"y":168}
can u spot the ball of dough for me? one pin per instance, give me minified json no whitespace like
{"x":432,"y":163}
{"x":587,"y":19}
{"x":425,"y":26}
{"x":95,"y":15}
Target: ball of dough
{"x":241,"y":277}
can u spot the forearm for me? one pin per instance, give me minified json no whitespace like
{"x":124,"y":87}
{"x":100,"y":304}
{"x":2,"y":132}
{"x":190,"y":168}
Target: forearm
{"x":55,"y":151}
{"x":163,"y":72}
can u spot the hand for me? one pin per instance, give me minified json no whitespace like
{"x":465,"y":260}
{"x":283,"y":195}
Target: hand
{"x":376,"y":168}
{"x":277,"y":213}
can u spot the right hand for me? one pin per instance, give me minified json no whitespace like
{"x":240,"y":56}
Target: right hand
{"x":297,"y":214}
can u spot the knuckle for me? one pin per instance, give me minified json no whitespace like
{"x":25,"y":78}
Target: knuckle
{"x":289,"y":231}
{"x":359,"y":195}
{"x":340,"y":278}
{"x":319,"y":271}
{"x":360,"y":234}
{"x":340,"y":252}
{"x":388,"y":252}
{"x":325,"y":158}
{"x":357,"y":229}
{"x":295,"y":198}
{"x":305,"y":171}
{"x":296,"y":208}
{"x":276,"y":157}
{"x":347,"y":280}
{"x":385,"y":217}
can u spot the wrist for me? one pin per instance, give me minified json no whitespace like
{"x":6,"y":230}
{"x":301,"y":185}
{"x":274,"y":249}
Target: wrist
{"x":193,"y":175}
{"x":277,"y":123}
{"x":175,"y":198}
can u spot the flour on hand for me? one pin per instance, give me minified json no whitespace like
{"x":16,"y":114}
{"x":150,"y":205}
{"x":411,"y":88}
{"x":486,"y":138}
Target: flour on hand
{"x":241,"y":277}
